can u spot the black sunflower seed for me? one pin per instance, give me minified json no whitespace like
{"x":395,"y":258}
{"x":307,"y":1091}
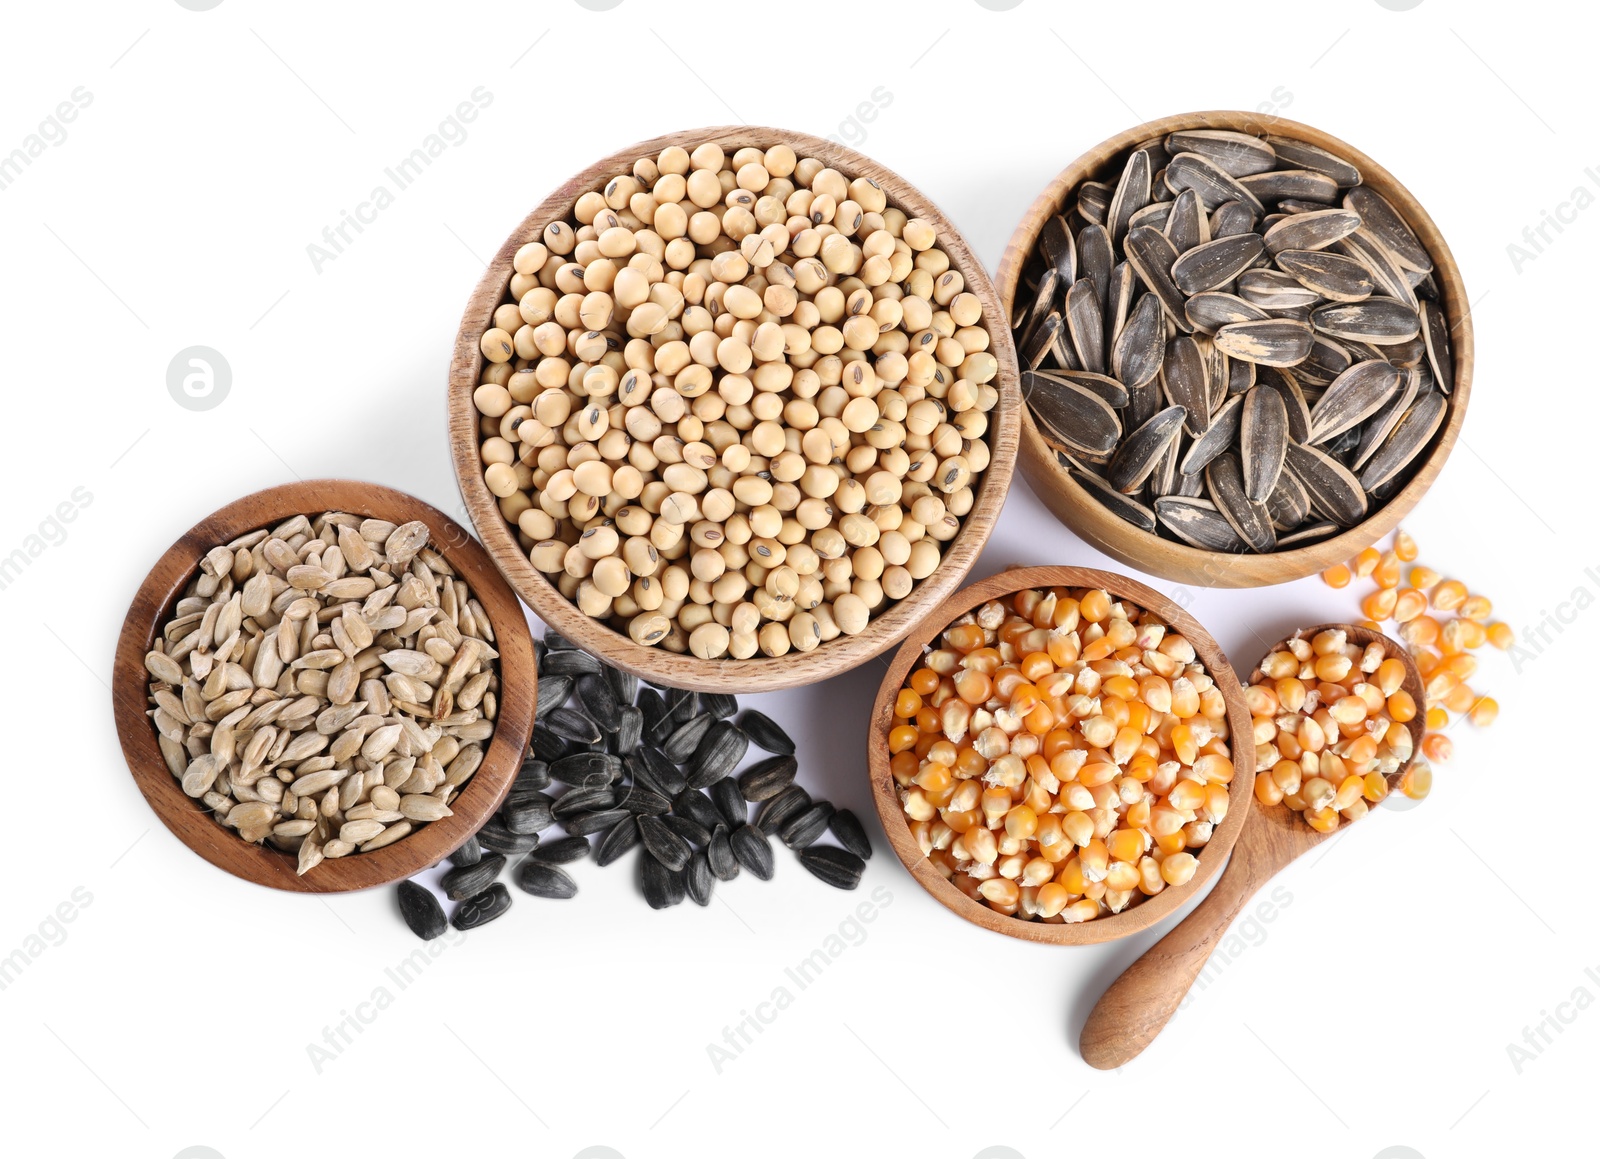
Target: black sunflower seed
{"x":698,"y":880}
{"x":848,"y":831}
{"x":569,"y":662}
{"x":572,"y":725}
{"x":534,"y":775}
{"x":681,"y":705}
{"x":544,"y":880}
{"x":753,"y":851}
{"x":719,"y":854}
{"x":469,"y":853}
{"x":805,"y":828}
{"x":641,"y":800}
{"x":561,"y":851}
{"x":624,"y":685}
{"x":696,"y":806}
{"x":587,"y":770}
{"x":653,"y":767}
{"x":483,"y":908}
{"x":586,"y":800}
{"x":620,"y":838}
{"x":765,"y":733}
{"x":663,"y":843}
{"x":681,"y":744}
{"x":550,"y":695}
{"x":466,"y":880}
{"x":495,"y":836}
{"x":527,"y":817}
{"x":547,"y":746}
{"x":422,"y":911}
{"x":721,"y":705}
{"x":730,"y":802}
{"x":766,"y":779}
{"x":776,"y":812}
{"x":583,"y":824}
{"x":653,"y":708}
{"x":720,"y":750}
{"x":662,"y":887}
{"x":630,"y":728}
{"x":598,"y":701}
{"x":838,"y":867}
{"x":688,"y":828}
{"x":556,"y":642}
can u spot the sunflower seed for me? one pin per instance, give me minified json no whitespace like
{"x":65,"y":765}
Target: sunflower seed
{"x":1086,"y":324}
{"x":466,"y":880}
{"x":550,"y":695}
{"x":1247,"y":516}
{"x":752,"y":850}
{"x":533,"y":777}
{"x":719,"y":855}
{"x":1305,"y":156}
{"x":547,"y":746}
{"x":629,"y":731}
{"x":1093,"y":197}
{"x":651,"y":766}
{"x":689,"y":829}
{"x":1355,"y":395}
{"x":1186,"y":224}
{"x":619,"y":839}
{"x":1219,"y":436}
{"x":1334,"y":491}
{"x":651,"y":706}
{"x":1192,"y":171}
{"x":683,"y":742}
{"x":1215,"y":263}
{"x":1060,"y":252}
{"x":698,"y":880}
{"x":1263,"y":439}
{"x":695,"y":805}
{"x":1071,"y":414}
{"x":585,"y":824}
{"x":1112,"y":392}
{"x":587,"y":770}
{"x":1184,"y":383}
{"x":849,"y":832}
{"x":1142,"y":449}
{"x":663,"y":843}
{"x":730,"y":803}
{"x":1274,"y":290}
{"x":482,"y":909}
{"x":421,"y":911}
{"x":1378,"y":427}
{"x":721,"y":748}
{"x":561,"y":851}
{"x":1310,"y":231}
{"x":1289,"y":504}
{"x":1411,"y":434}
{"x":569,"y":662}
{"x":495,"y":837}
{"x":1379,"y":321}
{"x":804,"y":828}
{"x":1232,"y":217}
{"x":765,"y":733}
{"x":662,"y":887}
{"x":1273,"y":342}
{"x":1299,"y":184}
{"x":1121,"y":505}
{"x":1386,"y":273}
{"x":469,"y":853}
{"x":1327,"y":361}
{"x":624,"y":685}
{"x":1198,"y":523}
{"x":570,"y":724}
{"x":838,"y":867}
{"x":1237,"y":154}
{"x":1151,"y":255}
{"x":1037,"y":346}
{"x":766,"y":779}
{"x":584,"y":800}
{"x":1436,"y":333}
{"x":1132,"y":194}
{"x":1333,"y":276}
{"x":1383,"y":222}
{"x":639,"y":799}
{"x":599,"y":702}
{"x":1095,"y":259}
{"x":1211,"y":311}
{"x":776,"y":811}
{"x":544,"y":880}
{"x":1308,"y":533}
{"x":532,"y":817}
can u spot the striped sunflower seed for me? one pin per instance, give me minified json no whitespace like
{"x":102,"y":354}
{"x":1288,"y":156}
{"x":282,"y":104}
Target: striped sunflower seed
{"x":1136,"y":352}
{"x":1071,"y":414}
{"x":1142,"y":449}
{"x":1378,"y":321}
{"x":1334,"y":491}
{"x":838,"y":867}
{"x":1209,"y":312}
{"x":1301,"y":155}
{"x":1123,"y":505}
{"x":1312,"y":231}
{"x":1212,"y":264}
{"x":1186,"y":384}
{"x":1263,"y":441}
{"x":1384,"y":223}
{"x":1086,"y":325}
{"x":572,"y":725}
{"x":1236,"y":154}
{"x":1411,"y":434}
{"x":1332,"y":276}
{"x":1198,"y":523}
{"x":1436,"y":333}
{"x":766,"y":779}
{"x":1354,"y":396}
{"x":1219,"y":436}
{"x":1273,"y":342}
{"x":465,"y":881}
{"x":689,"y":829}
{"x":1248,"y":517}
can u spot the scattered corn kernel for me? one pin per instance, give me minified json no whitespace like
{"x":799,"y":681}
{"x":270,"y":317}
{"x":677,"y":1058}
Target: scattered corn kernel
{"x":1337,"y":576}
{"x":1405,"y":547}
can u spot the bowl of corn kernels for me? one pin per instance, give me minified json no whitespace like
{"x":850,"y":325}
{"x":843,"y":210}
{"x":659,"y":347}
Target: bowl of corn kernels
{"x":1051,"y":755}
{"x":734,"y":408}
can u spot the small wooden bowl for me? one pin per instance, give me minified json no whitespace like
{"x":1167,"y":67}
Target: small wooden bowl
{"x":1150,"y":553}
{"x":887,"y":800}
{"x":757,"y":674}
{"x":192,"y":822}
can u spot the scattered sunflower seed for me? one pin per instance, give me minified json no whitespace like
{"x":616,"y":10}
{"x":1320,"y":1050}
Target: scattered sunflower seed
{"x":544,"y":880}
{"x":765,"y":733}
{"x":848,"y":831}
{"x":482,"y":909}
{"x":840,"y":868}
{"x":753,"y":851}
{"x":421,"y":911}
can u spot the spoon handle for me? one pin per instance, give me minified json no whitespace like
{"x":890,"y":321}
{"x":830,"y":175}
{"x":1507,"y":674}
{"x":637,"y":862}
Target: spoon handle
{"x":1140,"y":1002}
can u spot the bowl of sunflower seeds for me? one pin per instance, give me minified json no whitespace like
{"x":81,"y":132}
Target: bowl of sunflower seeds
{"x":1245,"y":348}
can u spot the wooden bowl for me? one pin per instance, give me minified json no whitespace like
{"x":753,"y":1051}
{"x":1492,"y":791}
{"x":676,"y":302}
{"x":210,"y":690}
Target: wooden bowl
{"x":887,"y":800}
{"x":1121,"y":540}
{"x":757,"y":674}
{"x":192,"y":822}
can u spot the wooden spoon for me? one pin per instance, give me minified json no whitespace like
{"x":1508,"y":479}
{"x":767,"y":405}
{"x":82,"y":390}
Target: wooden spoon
{"x":1138,"y":1004}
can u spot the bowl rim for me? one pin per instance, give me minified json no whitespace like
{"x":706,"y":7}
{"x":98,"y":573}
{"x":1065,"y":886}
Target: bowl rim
{"x":885,"y":799}
{"x":757,"y":673}
{"x":1140,"y":549}
{"x":193,"y":824}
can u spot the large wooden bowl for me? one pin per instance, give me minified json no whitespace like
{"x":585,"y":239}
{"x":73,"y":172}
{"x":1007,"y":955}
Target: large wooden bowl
{"x":1121,"y":540}
{"x":1112,"y":926}
{"x":192,"y":822}
{"x":757,"y":674}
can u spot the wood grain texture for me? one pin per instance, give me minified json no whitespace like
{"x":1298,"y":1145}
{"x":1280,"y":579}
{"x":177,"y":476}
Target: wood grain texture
{"x":1145,"y":996}
{"x":1119,"y":539}
{"x":758,"y":674}
{"x":192,"y":822}
{"x":887,"y":800}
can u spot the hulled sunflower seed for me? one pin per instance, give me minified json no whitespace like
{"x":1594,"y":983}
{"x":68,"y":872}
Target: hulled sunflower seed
{"x":1334,"y":491}
{"x":1411,"y":434}
{"x":466,"y":880}
{"x":663,"y":843}
{"x":482,"y":909}
{"x":1249,"y":518}
{"x":720,"y":750}
{"x":1263,"y":440}
{"x":422,"y":911}
{"x":766,"y":779}
{"x":765,"y":733}
{"x":1198,"y":523}
{"x":838,"y":867}
{"x":752,"y":850}
{"x":848,"y":831}
{"x":561,"y":851}
{"x":544,"y":880}
{"x":619,"y":839}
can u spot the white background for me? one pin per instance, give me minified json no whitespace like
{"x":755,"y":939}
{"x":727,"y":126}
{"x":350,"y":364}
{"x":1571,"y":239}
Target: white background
{"x":1374,"y":1012}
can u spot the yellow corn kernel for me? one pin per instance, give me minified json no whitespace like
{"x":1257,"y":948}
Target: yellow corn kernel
{"x":1476,"y":608}
{"x":1379,"y":605}
{"x":1366,"y":561}
{"x":1405,"y":547}
{"x":1337,"y":576}
{"x":1417,"y":781}
{"x":1322,"y":820}
{"x":1501,"y":635}
{"x":1484,"y":712}
{"x":1409,"y":604}
{"x":1387,"y":573}
{"x":1423,"y":577}
{"x":1449,"y":595}
{"x":1267,"y":790}
{"x":1375,"y":786}
{"x":1179,"y":868}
